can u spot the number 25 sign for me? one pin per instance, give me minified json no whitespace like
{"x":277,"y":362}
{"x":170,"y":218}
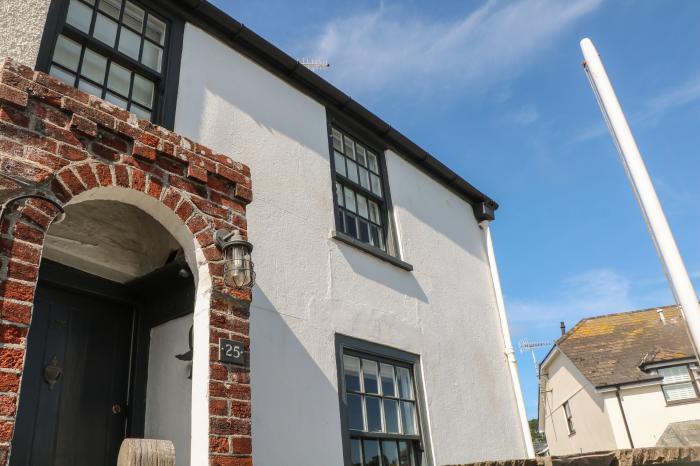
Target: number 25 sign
{"x":231,"y":351}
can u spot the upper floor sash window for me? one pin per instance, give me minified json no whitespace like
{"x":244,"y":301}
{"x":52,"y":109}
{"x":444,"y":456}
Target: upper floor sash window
{"x":115,"y":49}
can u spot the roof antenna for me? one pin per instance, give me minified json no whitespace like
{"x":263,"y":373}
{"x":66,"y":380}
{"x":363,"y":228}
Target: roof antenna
{"x":562,"y":327}
{"x":531,"y":346}
{"x":315,"y":64}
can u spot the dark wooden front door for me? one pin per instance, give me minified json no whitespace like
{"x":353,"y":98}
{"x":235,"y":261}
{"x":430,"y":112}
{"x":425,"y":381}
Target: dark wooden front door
{"x":73,"y":399}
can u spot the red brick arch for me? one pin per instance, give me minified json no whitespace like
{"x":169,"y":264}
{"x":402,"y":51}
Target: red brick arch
{"x":66,"y":143}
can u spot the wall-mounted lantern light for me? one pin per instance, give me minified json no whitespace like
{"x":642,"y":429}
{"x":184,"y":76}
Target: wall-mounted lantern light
{"x":238,"y":268}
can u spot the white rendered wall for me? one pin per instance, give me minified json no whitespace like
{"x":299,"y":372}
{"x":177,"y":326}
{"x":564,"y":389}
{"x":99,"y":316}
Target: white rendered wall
{"x":21,"y":26}
{"x":310,"y":287}
{"x":648,"y":415}
{"x":593,"y":430}
{"x":169,"y":392}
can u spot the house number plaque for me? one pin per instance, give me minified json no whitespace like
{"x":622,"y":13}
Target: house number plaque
{"x":231,"y":351}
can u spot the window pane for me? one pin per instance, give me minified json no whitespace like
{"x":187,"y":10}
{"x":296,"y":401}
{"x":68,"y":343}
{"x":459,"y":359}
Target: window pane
{"x":339,"y":163}
{"x":374,"y":414}
{"x":371,"y":451}
{"x":111,"y":7}
{"x":90,"y":88}
{"x":403,"y":378}
{"x":355,"y":452}
{"x":152,"y":56}
{"x":352,"y":171}
{"x":119,"y":79}
{"x":116,"y":100}
{"x":408,"y":421}
{"x":352,"y":372}
{"x":406,"y":453}
{"x":374,"y":233}
{"x":355,"y":419}
{"x":133,"y":16}
{"x":143,"y":91}
{"x":105,"y":30}
{"x":674,"y":374}
{"x":391,"y":416}
{"x":374,"y":213}
{"x":680,"y":391}
{"x":372,"y":161}
{"x":362,"y":206}
{"x":349,"y":199}
{"x":337,"y":140}
{"x":79,"y":15}
{"x":376,"y":185}
{"x":390,"y":453}
{"x":364,"y":178}
{"x":94,"y":66}
{"x":140,"y":112}
{"x":387,"y":373}
{"x":339,"y":194}
{"x":350,"y":225}
{"x":67,"y":53}
{"x":361,"y":155}
{"x":64,"y":76}
{"x":349,"y":148}
{"x":129,"y":43}
{"x":370,"y":375}
{"x":363,"y":230}
{"x":155,"y":30}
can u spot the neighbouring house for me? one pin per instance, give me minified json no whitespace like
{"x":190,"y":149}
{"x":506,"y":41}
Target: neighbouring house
{"x":375,"y":332}
{"x":627,"y":380}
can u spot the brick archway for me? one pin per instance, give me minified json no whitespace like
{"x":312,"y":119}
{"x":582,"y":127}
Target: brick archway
{"x":70,"y":146}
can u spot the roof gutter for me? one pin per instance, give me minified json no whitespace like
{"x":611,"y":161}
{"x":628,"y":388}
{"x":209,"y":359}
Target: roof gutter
{"x":219,"y":24}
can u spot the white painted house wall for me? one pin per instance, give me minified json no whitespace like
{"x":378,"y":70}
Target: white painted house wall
{"x":593,"y":430}
{"x":21,"y":26}
{"x":597,"y":416}
{"x":310,"y":287}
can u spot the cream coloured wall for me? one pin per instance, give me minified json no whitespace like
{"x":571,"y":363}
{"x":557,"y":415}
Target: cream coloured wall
{"x":593,"y":430}
{"x":648,"y":415}
{"x":310,"y":287}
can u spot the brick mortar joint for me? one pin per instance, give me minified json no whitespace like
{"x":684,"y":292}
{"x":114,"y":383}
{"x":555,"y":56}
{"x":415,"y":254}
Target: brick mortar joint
{"x":98,"y":111}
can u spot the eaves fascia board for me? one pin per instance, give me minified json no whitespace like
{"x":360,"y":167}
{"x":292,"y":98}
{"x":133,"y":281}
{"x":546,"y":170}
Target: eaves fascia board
{"x":629,"y":384}
{"x":219,"y":24}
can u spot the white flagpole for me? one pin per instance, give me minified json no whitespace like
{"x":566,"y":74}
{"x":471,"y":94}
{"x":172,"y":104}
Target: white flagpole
{"x":661,"y":235}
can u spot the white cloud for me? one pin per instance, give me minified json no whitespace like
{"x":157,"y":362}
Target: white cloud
{"x":653,"y":110}
{"x":524,"y":116}
{"x":388,"y":49}
{"x":593,"y":292}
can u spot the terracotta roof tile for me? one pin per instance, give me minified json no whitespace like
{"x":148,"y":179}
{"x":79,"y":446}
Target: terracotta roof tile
{"x":610,"y":349}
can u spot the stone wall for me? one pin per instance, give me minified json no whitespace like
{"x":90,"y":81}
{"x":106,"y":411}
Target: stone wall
{"x":631,"y":457}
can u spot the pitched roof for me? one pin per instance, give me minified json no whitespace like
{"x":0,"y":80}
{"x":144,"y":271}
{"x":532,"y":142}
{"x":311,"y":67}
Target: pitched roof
{"x":610,"y":349}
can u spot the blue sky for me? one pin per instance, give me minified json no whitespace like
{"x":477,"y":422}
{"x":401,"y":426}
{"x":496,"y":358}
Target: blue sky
{"x":496,"y":91}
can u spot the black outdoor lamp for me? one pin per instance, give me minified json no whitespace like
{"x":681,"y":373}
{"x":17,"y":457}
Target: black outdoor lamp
{"x":238,"y":268}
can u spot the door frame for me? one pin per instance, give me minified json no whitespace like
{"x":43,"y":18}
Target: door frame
{"x":132,"y":295}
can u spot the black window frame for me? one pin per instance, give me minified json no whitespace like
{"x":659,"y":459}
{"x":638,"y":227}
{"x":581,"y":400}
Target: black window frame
{"x":166,"y":82}
{"x":568,"y":415}
{"x":356,"y":347}
{"x":392,"y":253}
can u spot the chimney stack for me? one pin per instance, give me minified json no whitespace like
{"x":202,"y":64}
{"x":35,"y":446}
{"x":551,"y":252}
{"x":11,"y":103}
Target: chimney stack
{"x":662,"y":318}
{"x":562,"y":326}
